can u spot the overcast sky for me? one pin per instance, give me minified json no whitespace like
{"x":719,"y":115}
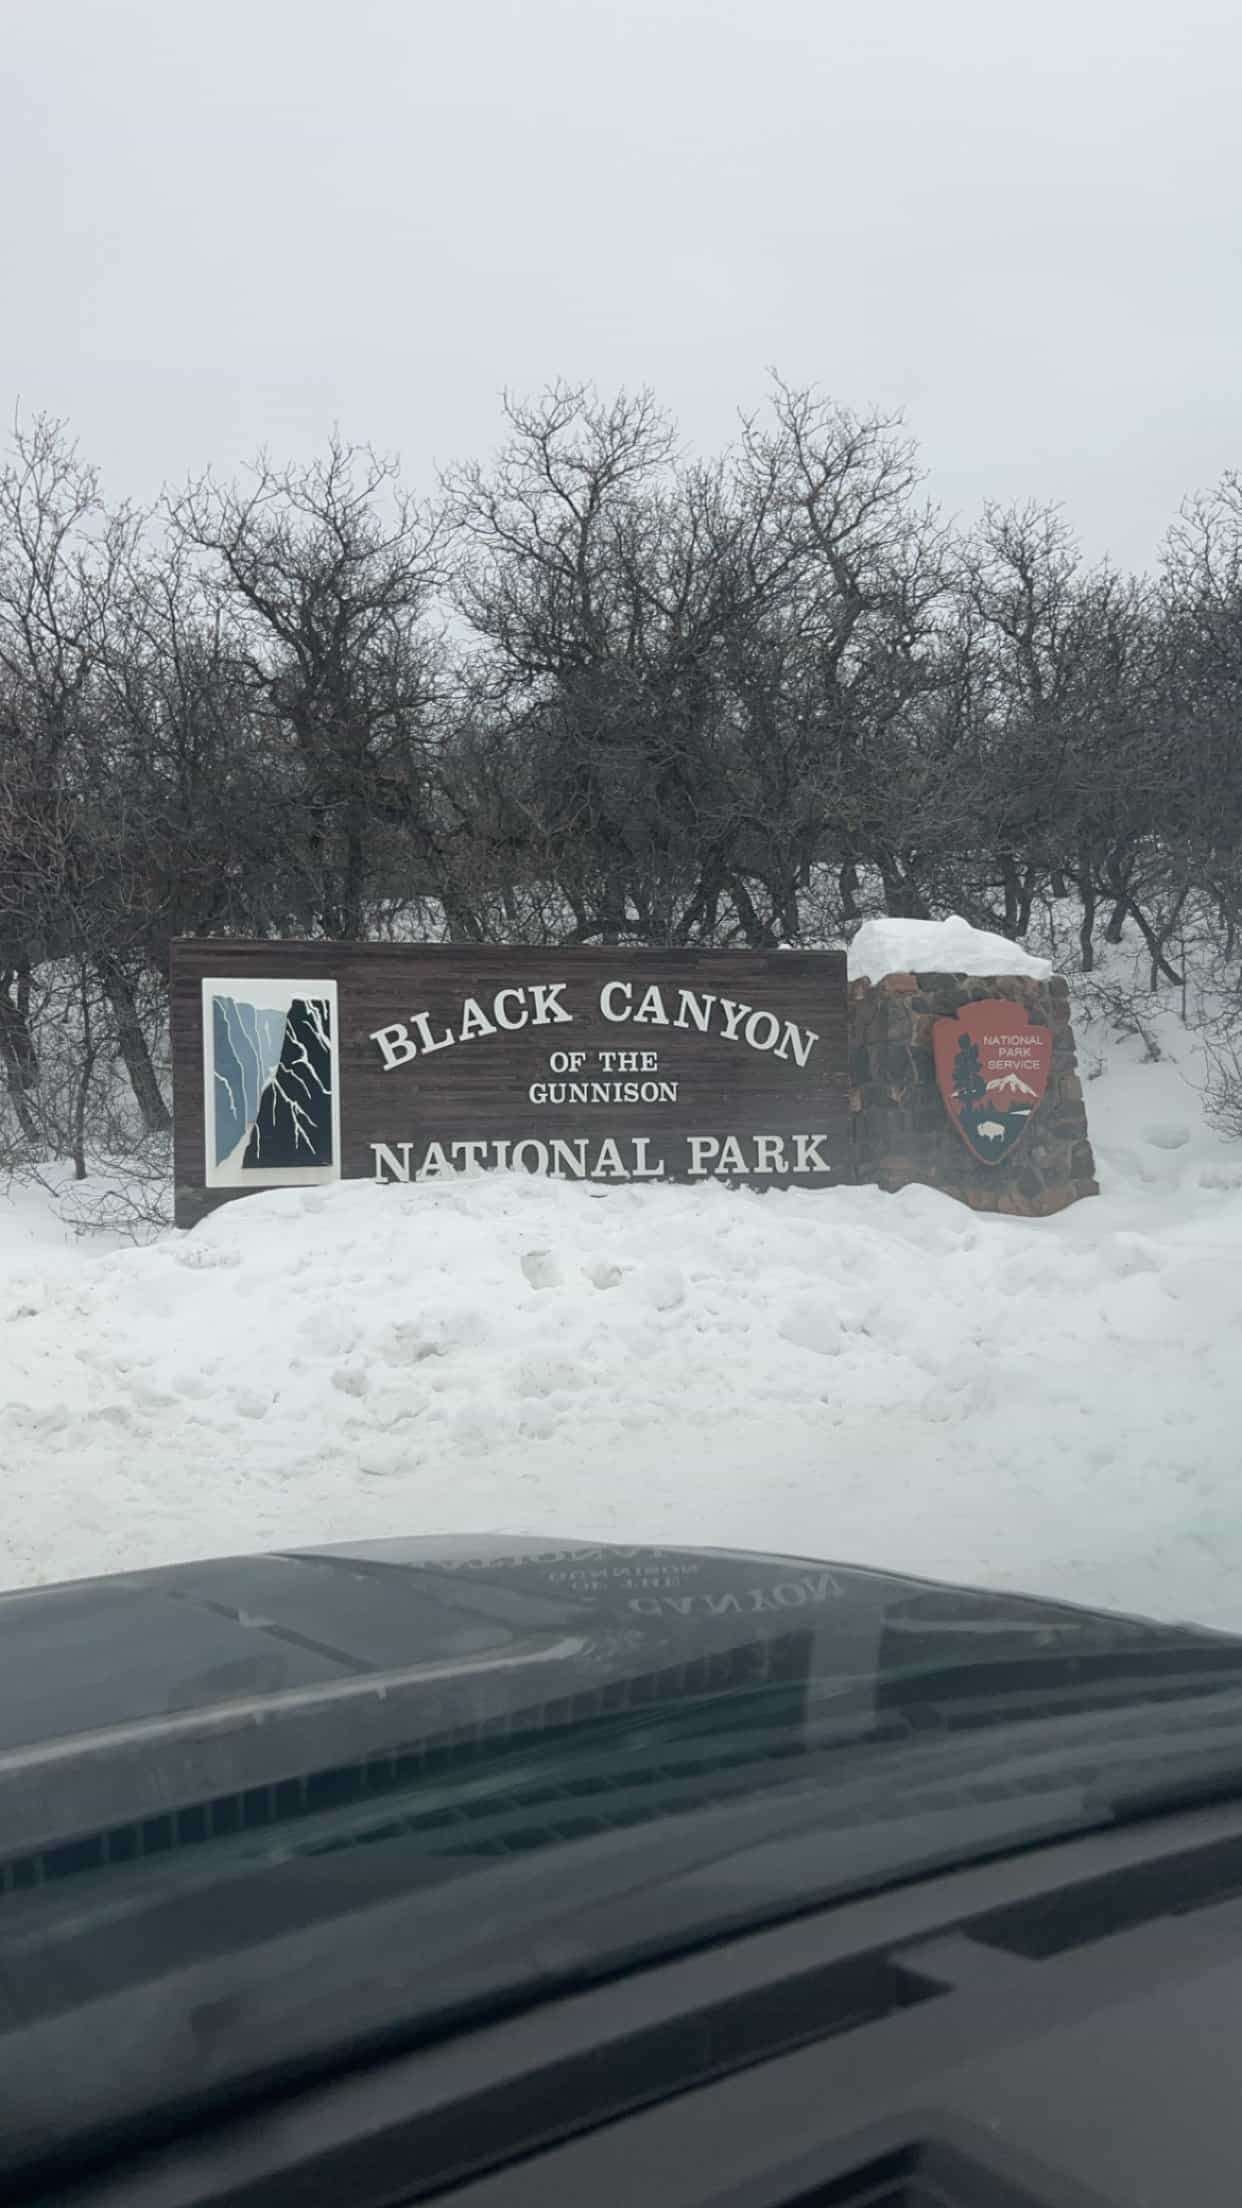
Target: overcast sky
{"x":228,"y":223}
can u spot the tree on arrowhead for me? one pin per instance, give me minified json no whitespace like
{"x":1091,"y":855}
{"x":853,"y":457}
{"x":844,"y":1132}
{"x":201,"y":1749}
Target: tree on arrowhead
{"x":969,"y":1086}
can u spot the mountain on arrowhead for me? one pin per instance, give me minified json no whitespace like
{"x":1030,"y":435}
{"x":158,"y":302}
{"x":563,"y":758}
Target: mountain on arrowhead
{"x":1011,"y":1083}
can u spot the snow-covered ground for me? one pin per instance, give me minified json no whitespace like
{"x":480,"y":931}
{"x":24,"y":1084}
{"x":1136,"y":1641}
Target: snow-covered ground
{"x":1053,"y":1404}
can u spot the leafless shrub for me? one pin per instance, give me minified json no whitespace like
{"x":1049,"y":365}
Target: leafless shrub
{"x":1125,"y":1010}
{"x":1222,"y":1085}
{"x":82,"y":1112}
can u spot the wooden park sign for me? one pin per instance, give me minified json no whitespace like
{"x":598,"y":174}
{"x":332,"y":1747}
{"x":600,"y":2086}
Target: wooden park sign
{"x":296,"y":1064}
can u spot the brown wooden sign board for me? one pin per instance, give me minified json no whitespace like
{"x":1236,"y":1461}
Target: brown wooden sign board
{"x":296,"y":1064}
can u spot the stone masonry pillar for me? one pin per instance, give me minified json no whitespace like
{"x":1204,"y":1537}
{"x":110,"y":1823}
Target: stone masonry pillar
{"x":902,"y":1129}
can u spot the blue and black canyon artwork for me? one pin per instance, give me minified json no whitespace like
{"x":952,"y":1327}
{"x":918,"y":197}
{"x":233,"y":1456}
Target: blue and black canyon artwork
{"x":273,"y":1083}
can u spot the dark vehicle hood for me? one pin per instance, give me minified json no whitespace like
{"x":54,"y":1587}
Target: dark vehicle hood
{"x":304,"y":1627}
{"x":259,"y":1814}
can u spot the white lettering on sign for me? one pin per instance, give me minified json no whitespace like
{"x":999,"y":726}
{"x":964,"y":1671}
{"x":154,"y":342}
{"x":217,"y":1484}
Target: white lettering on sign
{"x":540,"y":1004}
{"x":547,"y":1011}
{"x":511,"y":1009}
{"x":583,"y":1157}
{"x":474,"y":1021}
{"x":769,"y":1153}
{"x":428,"y":1042}
{"x":398,"y":1167}
{"x":800,"y":1040}
{"x":602,"y":1092}
{"x":469,"y":1157}
{"x":568,"y":1157}
{"x":652,"y":1008}
{"x":714,"y":1154}
{"x":395,"y":1047}
{"x":698,"y":1007}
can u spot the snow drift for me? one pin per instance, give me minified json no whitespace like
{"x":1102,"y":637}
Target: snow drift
{"x":949,"y":946}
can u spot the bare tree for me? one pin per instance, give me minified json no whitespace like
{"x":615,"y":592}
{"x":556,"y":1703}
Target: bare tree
{"x":852,"y":634}
{"x":650,"y":626}
{"x":62,"y":560}
{"x":329,"y":573}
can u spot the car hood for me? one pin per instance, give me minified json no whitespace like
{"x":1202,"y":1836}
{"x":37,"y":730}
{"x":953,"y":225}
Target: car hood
{"x":312,"y":1626}
{"x":263,"y":1815}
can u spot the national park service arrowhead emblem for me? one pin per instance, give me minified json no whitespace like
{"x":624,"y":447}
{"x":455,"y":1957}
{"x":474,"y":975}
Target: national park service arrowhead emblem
{"x":991,"y":1070}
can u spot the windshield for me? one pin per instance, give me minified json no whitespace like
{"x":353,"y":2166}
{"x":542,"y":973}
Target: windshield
{"x":620,"y":986}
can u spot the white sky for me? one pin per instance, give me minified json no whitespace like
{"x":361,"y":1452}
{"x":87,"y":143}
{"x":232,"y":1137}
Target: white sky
{"x":226,"y":223}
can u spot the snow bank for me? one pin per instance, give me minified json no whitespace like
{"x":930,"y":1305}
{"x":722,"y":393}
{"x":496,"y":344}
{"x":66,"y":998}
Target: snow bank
{"x":888,"y":1379}
{"x":949,"y":946}
{"x":34,"y":1233}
